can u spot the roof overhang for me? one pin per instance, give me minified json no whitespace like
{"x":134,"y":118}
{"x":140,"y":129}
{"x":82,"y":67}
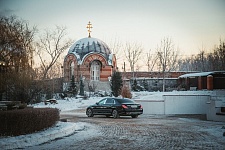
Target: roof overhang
{"x":201,"y":74}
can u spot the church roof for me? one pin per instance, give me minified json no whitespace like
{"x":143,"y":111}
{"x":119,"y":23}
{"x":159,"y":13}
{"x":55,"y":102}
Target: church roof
{"x":89,"y":45}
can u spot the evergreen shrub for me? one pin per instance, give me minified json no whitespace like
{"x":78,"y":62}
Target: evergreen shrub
{"x":116,"y":83}
{"x":28,"y":120}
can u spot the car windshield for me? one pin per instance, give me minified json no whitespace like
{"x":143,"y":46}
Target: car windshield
{"x":125,"y":101}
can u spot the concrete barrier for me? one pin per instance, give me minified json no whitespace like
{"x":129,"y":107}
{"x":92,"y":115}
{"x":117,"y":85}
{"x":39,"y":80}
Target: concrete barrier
{"x":152,"y":106}
{"x":176,"y":104}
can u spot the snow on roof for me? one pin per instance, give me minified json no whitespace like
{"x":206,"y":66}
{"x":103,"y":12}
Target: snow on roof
{"x":201,"y":74}
{"x":86,"y":46}
{"x":110,"y":59}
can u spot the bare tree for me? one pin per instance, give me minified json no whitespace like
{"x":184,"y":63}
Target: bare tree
{"x":185,"y":64}
{"x":117,"y":48}
{"x":16,"y":55}
{"x":219,"y":57}
{"x":167,"y":57}
{"x":151,"y":60}
{"x":16,"y":42}
{"x":203,"y":61}
{"x":132,"y":53}
{"x":51,"y":45}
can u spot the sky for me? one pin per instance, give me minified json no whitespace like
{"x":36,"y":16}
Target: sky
{"x":191,"y":24}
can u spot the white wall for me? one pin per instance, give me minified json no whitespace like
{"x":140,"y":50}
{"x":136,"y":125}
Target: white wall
{"x":186,"y":104}
{"x":214,"y":106}
{"x":152,"y":106}
{"x":176,"y":104}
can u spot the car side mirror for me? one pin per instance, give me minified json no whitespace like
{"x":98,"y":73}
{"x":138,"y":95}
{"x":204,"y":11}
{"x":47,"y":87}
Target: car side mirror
{"x":97,"y":103}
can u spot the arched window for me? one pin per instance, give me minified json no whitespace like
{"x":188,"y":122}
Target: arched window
{"x":71,"y":69}
{"x":95,"y":70}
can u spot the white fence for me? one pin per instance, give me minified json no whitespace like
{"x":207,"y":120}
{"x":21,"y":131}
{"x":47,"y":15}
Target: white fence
{"x":152,"y":106}
{"x":177,"y":104}
{"x":214,"y":107}
{"x":188,"y":104}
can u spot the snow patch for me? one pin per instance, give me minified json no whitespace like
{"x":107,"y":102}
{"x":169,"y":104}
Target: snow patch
{"x":61,"y":129}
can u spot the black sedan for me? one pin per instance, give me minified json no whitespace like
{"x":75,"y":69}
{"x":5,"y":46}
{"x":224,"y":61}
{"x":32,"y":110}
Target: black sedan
{"x":115,"y":107}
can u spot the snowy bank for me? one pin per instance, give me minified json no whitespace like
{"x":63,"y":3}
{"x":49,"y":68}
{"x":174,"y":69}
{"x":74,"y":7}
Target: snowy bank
{"x":69,"y":103}
{"x":61,"y":129}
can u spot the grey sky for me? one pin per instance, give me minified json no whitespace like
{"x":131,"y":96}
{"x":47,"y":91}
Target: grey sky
{"x":190,"y":23}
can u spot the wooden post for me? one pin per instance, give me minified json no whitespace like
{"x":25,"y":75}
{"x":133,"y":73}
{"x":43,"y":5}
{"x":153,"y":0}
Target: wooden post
{"x":199,"y":83}
{"x":209,"y":82}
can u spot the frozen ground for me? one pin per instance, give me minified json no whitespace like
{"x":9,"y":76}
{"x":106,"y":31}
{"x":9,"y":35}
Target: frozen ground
{"x":62,"y":129}
{"x":145,"y":132}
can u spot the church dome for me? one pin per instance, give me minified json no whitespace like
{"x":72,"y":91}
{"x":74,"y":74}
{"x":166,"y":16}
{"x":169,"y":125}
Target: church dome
{"x":89,"y":45}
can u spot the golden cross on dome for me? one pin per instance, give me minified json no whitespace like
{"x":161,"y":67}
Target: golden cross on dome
{"x":89,"y":26}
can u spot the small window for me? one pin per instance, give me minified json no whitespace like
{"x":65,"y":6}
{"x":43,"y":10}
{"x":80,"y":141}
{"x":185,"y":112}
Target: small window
{"x":102,"y":102}
{"x":125,"y":101}
{"x":110,"y":101}
{"x":71,"y":69}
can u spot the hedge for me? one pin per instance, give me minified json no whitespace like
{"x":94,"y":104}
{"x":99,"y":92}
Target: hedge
{"x":28,"y":120}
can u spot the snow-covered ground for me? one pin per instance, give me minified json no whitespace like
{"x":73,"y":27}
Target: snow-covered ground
{"x":70,"y":103}
{"x":66,"y":128}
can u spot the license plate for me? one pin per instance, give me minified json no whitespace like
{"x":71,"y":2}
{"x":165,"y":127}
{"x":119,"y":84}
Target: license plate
{"x":133,"y":106}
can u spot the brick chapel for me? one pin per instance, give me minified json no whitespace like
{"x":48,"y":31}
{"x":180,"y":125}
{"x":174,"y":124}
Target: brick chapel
{"x":90,"y":59}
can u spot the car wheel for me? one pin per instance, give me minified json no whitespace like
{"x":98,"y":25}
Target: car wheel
{"x":89,"y":113}
{"x":134,"y":116}
{"x":115,"y":114}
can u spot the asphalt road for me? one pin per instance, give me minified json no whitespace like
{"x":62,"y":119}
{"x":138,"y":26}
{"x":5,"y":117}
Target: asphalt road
{"x":145,"y":132}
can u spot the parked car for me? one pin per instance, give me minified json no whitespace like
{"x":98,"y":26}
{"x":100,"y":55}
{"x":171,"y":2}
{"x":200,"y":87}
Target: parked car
{"x":115,"y":107}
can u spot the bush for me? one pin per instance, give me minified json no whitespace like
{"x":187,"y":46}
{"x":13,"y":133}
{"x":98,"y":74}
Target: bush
{"x":126,"y":92}
{"x":25,"y":121}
